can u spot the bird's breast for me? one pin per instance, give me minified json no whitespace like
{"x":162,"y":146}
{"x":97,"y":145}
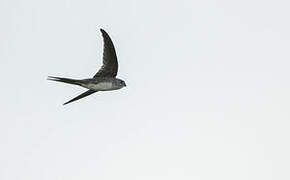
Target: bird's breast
{"x":101,"y":86}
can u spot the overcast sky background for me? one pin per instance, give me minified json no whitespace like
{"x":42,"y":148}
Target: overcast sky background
{"x":207,"y":96}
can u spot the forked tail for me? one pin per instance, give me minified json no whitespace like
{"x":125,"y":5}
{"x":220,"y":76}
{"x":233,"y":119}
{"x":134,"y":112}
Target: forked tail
{"x":64,"y":80}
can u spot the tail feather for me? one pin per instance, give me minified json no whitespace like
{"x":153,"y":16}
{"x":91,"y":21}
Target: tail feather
{"x":64,"y":80}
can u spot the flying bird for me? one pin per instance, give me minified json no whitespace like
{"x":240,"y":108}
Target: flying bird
{"x":105,"y":79}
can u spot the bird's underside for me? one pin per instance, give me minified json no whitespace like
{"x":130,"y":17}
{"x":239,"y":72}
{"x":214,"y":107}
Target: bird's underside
{"x":104,"y":79}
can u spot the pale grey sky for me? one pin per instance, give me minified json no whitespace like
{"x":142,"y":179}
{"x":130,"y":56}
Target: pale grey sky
{"x":207,"y":97}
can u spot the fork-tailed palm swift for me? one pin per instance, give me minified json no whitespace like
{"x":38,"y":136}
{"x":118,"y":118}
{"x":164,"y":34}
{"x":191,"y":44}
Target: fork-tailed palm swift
{"x":105,"y":79}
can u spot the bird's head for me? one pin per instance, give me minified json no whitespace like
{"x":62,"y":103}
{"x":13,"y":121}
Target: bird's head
{"x":121,"y":83}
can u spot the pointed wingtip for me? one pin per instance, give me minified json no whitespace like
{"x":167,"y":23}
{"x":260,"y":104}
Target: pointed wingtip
{"x":66,"y":103}
{"x":87,"y":93}
{"x":103,"y":32}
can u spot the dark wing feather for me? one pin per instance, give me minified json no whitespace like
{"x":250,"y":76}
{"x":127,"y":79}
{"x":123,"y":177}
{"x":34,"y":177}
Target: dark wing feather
{"x":89,"y":92}
{"x":110,"y":63}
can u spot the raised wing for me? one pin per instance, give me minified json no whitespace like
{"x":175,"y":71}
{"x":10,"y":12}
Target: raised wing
{"x":110,"y":63}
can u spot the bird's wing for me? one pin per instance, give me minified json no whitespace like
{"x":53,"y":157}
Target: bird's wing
{"x":110,"y":63}
{"x":89,"y":92}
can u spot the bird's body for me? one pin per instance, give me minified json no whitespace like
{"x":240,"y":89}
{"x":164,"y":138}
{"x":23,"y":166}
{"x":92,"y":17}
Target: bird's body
{"x":103,"y":84}
{"x":95,"y":84}
{"x":107,"y":85}
{"x":105,"y":79}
